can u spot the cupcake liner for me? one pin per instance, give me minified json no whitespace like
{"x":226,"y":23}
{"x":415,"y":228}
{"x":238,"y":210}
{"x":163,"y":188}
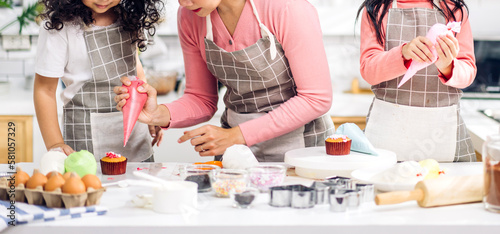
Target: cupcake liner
{"x":113,"y":168}
{"x":338,"y":148}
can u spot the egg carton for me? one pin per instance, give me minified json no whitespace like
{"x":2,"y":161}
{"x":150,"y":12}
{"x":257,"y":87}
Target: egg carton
{"x":54,"y":199}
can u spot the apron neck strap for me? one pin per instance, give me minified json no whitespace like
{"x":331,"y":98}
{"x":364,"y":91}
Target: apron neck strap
{"x":395,"y":3}
{"x":264,"y":31}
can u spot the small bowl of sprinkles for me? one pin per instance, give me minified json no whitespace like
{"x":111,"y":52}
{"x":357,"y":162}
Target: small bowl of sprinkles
{"x":263,"y":177}
{"x":226,"y":180}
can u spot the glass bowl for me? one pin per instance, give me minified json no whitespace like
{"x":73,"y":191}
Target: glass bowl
{"x":243,"y":199}
{"x":226,"y":180}
{"x":263,"y":177}
{"x":200,"y":174}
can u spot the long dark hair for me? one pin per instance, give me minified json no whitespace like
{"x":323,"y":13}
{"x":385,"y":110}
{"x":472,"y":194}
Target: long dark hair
{"x":373,"y":7}
{"x":135,"y":16}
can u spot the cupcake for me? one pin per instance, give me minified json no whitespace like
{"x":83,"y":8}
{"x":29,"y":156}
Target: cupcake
{"x":338,"y":145}
{"x":113,"y":164}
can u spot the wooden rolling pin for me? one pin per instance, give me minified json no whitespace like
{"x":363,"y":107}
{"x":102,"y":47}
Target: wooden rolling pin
{"x":438,"y":192}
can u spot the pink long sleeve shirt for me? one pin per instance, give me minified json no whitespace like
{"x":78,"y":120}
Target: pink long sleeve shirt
{"x":378,"y":65}
{"x":296,"y":26}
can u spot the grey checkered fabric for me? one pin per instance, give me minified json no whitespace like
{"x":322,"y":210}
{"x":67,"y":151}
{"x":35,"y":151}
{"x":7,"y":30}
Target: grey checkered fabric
{"x":112,"y":55}
{"x":257,"y":83}
{"x":424,"y":89}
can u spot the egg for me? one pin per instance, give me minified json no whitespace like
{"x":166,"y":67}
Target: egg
{"x":55,"y":181}
{"x":49,"y":174}
{"x":92,"y":181}
{"x":21,"y":177}
{"x":73,"y":185}
{"x":37,"y":179}
{"x":67,"y":175}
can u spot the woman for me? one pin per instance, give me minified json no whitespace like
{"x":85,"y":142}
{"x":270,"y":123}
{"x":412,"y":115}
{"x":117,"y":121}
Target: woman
{"x":421,"y":118}
{"x":270,"y":56}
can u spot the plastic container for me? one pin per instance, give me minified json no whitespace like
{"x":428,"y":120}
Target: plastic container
{"x":263,"y":177}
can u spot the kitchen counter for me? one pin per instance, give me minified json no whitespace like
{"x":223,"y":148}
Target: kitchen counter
{"x":216,"y":215}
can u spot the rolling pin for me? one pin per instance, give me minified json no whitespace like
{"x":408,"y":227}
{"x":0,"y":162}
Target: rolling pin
{"x":439,"y":192}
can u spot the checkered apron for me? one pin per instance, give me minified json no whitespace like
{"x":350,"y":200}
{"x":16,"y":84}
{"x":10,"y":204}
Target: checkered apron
{"x":258,"y":80}
{"x":424,"y":89}
{"x":91,"y":120}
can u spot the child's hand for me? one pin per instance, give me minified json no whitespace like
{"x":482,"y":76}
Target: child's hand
{"x":447,"y":48}
{"x":149,"y":108}
{"x":418,"y":49}
{"x":157,"y":134}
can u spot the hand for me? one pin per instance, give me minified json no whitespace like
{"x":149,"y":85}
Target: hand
{"x":418,"y":49}
{"x":211,"y":140}
{"x":150,"y":107}
{"x":65,"y":148}
{"x":447,"y":48}
{"x":157,"y":134}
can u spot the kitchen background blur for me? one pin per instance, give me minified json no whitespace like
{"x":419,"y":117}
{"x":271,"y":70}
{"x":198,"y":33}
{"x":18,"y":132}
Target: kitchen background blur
{"x":164,"y":68}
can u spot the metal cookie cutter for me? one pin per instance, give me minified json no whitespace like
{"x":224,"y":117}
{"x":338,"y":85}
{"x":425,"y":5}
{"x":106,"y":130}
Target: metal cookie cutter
{"x":280,"y":196}
{"x":367,"y":192}
{"x":347,"y":182}
{"x":323,"y":188}
{"x":303,"y":197}
{"x":338,"y":200}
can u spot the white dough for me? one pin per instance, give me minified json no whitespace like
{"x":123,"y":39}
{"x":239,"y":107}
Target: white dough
{"x":52,"y":161}
{"x":239,"y":157}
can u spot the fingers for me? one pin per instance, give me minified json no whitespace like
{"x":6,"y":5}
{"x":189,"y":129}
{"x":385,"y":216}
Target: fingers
{"x":125,"y":80}
{"x":449,"y":46}
{"x":419,"y":49}
{"x":157,"y":134}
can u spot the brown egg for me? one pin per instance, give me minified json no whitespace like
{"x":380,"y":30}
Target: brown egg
{"x":74,"y":185}
{"x":21,"y":177}
{"x":91,"y":181}
{"x":37,"y":179}
{"x":50,"y":174}
{"x":55,"y":181}
{"x":67,"y":175}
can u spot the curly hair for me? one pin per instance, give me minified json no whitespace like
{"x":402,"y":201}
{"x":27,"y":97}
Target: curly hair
{"x":134,"y":16}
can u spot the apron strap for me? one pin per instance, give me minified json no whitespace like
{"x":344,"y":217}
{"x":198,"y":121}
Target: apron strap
{"x":264,"y":31}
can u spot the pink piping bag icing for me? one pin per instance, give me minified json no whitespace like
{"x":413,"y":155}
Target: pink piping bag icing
{"x":432,"y":34}
{"x":132,"y":108}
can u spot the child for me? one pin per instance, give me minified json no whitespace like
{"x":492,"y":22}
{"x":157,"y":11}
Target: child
{"x":421,"y":118}
{"x":90,"y":44}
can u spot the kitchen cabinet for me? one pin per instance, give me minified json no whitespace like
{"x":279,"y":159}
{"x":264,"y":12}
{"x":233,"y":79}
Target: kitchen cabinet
{"x":16,"y":138}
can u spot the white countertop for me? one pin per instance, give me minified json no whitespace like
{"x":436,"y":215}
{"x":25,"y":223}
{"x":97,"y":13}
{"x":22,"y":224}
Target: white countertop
{"x":216,"y":215}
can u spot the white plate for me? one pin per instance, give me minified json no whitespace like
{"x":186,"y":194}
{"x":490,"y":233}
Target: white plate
{"x":313,"y":162}
{"x":451,"y":169}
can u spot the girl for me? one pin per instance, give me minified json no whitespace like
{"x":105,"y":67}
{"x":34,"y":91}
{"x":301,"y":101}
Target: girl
{"x":270,"y":56}
{"x":90,"y":44}
{"x":421,"y":118}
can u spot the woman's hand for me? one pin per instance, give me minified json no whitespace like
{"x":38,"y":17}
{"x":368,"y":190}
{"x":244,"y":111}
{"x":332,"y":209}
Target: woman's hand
{"x":418,"y":49}
{"x":62,"y":147}
{"x":156,"y":133}
{"x":211,"y":140}
{"x":150,"y":107}
{"x":447,"y":48}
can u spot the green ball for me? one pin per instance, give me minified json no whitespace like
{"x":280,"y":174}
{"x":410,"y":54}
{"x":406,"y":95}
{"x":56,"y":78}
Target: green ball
{"x":81,"y":162}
